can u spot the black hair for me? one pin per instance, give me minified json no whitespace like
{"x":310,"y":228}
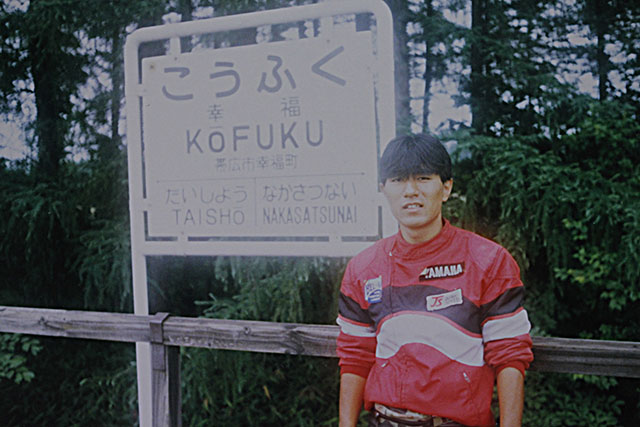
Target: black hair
{"x":416,"y":154}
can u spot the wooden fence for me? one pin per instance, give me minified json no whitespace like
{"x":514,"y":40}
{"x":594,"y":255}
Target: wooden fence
{"x":168,"y":333}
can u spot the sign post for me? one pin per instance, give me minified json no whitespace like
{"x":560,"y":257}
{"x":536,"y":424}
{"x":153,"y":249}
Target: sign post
{"x":262,"y":149}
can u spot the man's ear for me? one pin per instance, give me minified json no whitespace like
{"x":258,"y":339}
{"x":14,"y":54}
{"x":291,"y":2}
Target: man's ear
{"x":448,"y":186}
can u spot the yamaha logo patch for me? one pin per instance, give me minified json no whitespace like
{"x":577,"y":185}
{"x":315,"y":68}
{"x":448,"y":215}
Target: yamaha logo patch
{"x":442,"y":271}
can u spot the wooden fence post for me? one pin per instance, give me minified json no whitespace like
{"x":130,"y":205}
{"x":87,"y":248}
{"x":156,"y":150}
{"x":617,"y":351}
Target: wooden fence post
{"x":165,"y":381}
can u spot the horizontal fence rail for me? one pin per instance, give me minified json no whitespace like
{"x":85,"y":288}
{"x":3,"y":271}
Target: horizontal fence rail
{"x":578,"y":356}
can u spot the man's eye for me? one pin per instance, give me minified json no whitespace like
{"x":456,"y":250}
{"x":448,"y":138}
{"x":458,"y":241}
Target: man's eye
{"x":424,"y":178}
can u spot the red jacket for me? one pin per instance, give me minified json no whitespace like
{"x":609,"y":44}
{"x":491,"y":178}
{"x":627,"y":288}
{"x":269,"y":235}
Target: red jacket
{"x":430,"y":325}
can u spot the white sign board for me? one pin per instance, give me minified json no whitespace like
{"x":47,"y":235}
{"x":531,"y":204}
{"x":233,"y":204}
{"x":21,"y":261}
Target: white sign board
{"x":273,"y":143}
{"x":277,"y":139}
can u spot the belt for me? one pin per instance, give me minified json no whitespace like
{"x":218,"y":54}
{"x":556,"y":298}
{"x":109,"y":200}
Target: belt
{"x":400,"y":417}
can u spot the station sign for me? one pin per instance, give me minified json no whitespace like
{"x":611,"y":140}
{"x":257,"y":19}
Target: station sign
{"x":273,"y":139}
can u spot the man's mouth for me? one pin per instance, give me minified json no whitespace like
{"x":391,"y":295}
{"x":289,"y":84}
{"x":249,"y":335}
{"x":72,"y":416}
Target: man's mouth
{"x":412,"y":206}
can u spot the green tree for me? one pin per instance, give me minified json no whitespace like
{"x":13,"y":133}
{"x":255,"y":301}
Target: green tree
{"x":258,"y":389}
{"x":14,"y":352}
{"x":569,"y":216}
{"x":49,"y":58}
{"x":612,"y":31}
{"x":64,"y":229}
{"x":436,"y":47}
{"x":513,"y":85}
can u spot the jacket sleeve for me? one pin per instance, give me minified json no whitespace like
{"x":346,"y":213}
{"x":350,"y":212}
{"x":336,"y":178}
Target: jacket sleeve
{"x":505,"y":324}
{"x":356,"y":342}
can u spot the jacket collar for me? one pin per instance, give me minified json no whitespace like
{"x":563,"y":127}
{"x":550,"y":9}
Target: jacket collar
{"x":402,"y":249}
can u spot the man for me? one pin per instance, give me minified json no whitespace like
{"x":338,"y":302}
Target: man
{"x":431,"y":316}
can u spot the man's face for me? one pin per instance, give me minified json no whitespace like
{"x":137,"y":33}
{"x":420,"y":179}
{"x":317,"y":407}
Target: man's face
{"x":416,"y":202}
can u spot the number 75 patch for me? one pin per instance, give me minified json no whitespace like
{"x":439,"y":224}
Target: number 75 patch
{"x":442,"y":301}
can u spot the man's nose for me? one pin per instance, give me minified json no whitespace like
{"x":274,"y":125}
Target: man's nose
{"x":410,"y":187}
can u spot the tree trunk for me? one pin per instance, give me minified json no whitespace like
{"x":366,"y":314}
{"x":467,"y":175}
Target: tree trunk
{"x":50,"y":128}
{"x":478,"y":29}
{"x":185,"y":8}
{"x":400,"y":12}
{"x":429,"y":69}
{"x":601,"y":24}
{"x":117,"y":79}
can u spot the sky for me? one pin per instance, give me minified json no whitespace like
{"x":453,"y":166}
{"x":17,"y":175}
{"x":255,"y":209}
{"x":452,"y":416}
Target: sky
{"x":12,"y":137}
